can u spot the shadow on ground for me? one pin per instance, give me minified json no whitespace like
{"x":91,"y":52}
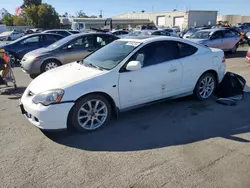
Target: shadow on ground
{"x":170,"y":123}
{"x":12,"y":92}
{"x":238,"y":54}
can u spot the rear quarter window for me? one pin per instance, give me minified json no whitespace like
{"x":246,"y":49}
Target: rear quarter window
{"x":186,"y":49}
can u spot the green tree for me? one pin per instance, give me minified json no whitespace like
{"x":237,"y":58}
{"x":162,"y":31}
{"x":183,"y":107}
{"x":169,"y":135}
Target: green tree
{"x":20,"y":20}
{"x":8,"y":20}
{"x":81,"y":14}
{"x":28,"y":3}
{"x":43,"y":16}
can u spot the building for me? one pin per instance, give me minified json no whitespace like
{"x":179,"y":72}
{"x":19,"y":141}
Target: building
{"x":100,"y":22}
{"x":233,"y":19}
{"x":182,"y":19}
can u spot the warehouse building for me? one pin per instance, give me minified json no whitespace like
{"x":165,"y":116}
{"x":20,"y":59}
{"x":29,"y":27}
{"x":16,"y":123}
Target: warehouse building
{"x":233,"y":19}
{"x":182,"y":19}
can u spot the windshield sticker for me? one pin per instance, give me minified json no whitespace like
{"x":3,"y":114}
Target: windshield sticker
{"x":135,"y":44}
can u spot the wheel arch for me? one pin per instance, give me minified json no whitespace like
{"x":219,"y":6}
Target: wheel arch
{"x":115,"y":109}
{"x":212,"y":71}
{"x":47,"y":59}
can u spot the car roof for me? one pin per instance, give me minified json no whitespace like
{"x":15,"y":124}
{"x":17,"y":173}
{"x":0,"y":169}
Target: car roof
{"x":37,"y":34}
{"x":57,"y":30}
{"x":95,"y":33}
{"x":152,"y":39}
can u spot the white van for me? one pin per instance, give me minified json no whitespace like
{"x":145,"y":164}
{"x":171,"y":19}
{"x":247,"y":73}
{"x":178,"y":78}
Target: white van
{"x":3,"y":28}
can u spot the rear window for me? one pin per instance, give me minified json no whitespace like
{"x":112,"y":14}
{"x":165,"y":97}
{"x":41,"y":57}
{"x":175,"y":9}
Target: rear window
{"x":186,"y":49}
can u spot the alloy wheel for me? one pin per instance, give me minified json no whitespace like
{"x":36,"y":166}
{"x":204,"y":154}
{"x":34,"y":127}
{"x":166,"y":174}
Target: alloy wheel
{"x":206,"y":87}
{"x":92,"y":114}
{"x":50,"y":65}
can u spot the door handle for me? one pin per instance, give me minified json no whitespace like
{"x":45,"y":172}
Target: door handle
{"x":173,"y":70}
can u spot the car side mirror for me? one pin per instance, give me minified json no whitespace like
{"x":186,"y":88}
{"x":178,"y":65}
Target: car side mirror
{"x":69,"y":47}
{"x":134,"y":65}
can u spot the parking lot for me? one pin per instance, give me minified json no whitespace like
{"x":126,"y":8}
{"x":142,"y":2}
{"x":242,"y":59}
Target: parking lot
{"x":180,"y":143}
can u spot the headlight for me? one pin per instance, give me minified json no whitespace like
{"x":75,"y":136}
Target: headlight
{"x":48,"y":97}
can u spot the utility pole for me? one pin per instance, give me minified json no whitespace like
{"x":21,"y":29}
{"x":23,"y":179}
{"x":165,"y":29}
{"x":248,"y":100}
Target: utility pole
{"x":100,"y":16}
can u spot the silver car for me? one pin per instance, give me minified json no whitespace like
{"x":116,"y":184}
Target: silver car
{"x":67,"y":50}
{"x":224,"y":39}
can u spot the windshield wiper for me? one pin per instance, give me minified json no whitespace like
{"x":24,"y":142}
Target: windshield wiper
{"x":90,"y":64}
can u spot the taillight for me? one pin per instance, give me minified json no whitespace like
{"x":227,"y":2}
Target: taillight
{"x":223,"y":59}
{"x":248,"y":53}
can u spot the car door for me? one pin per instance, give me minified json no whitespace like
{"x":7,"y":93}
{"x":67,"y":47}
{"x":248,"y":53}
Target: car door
{"x":77,"y":49}
{"x":231,"y":38}
{"x":159,"y":77}
{"x":217,"y":40}
{"x":28,"y":44}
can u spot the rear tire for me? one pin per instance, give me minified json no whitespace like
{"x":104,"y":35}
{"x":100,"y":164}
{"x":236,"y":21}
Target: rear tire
{"x":205,"y":86}
{"x":49,"y":64}
{"x":90,"y":113}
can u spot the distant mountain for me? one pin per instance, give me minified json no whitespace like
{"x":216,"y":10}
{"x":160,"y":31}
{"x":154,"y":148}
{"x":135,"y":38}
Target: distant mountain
{"x":3,"y":12}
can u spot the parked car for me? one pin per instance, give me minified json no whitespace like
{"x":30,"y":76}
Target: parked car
{"x":18,"y":48}
{"x":248,"y":37}
{"x":10,"y":35}
{"x":224,"y":39}
{"x":248,"y":56}
{"x":176,"y":29}
{"x":123,"y":75}
{"x":119,"y":32}
{"x":190,"y":31}
{"x":145,"y":27}
{"x":63,"y":32}
{"x":67,"y":50}
{"x":32,"y":31}
{"x":164,"y":33}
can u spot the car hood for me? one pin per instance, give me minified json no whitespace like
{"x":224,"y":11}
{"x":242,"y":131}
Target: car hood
{"x":63,"y":77}
{"x":38,"y":52}
{"x":5,"y":44}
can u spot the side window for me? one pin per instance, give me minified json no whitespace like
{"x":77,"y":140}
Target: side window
{"x":51,"y":38}
{"x":186,"y":49}
{"x":63,"y":33}
{"x":156,"y":53}
{"x":157,"y":33}
{"x":217,"y":35}
{"x":86,"y":42}
{"x":165,"y":33}
{"x":103,"y":40}
{"x":228,"y":34}
{"x":30,"y":40}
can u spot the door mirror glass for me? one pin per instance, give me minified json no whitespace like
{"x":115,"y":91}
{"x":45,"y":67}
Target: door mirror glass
{"x":133,"y":65}
{"x":69,"y":47}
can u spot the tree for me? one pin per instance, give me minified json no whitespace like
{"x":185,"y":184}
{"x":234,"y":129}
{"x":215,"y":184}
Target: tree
{"x":28,"y":3}
{"x":8,"y":20}
{"x":43,"y":16}
{"x":19,"y":20}
{"x":81,"y":14}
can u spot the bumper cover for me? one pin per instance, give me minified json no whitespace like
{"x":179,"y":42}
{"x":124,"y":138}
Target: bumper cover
{"x":53,"y":117}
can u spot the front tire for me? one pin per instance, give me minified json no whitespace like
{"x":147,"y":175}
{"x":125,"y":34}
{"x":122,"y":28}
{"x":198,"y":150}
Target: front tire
{"x":90,"y":113}
{"x":49,"y":64}
{"x":13,"y":60}
{"x":205,"y":86}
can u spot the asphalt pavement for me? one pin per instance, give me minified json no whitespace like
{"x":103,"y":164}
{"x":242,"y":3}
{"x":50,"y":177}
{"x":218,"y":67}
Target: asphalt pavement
{"x":179,"y":143}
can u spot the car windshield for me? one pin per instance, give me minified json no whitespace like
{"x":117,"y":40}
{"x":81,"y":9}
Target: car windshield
{"x":111,"y":55}
{"x":61,"y":42}
{"x":192,"y":30}
{"x":74,"y":32}
{"x":201,"y":35}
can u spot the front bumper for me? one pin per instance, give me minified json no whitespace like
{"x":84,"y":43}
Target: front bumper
{"x":31,"y":66}
{"x":53,"y":117}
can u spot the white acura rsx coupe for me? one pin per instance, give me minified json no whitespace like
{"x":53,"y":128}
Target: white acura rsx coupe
{"x":125,"y":74}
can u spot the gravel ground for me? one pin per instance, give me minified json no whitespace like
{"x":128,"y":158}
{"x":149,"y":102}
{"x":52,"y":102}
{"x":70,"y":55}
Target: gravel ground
{"x":180,"y":143}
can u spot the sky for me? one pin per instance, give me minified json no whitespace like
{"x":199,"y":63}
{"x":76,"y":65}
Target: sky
{"x":115,"y":7}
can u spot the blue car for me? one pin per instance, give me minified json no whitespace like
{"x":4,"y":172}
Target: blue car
{"x":18,"y":48}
